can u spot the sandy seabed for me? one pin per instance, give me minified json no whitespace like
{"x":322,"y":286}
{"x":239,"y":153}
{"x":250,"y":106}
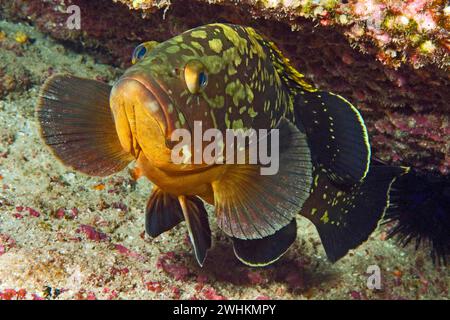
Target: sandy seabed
{"x":64,"y":235}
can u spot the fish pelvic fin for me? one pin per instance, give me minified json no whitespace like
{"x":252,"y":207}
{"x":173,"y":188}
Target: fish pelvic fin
{"x":265,"y":251}
{"x":250,"y":205}
{"x":345,"y":218}
{"x":196,"y":218}
{"x":336,"y":133}
{"x":163,"y":212}
{"x":76,"y":123}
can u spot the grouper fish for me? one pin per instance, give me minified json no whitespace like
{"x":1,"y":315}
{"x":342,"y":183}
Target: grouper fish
{"x":227,"y":77}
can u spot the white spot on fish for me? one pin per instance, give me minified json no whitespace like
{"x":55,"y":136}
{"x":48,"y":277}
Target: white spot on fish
{"x":153,"y":106}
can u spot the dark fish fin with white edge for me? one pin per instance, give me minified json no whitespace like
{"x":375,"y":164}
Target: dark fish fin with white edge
{"x":163,"y":212}
{"x":265,"y":251}
{"x":346,"y":218}
{"x":77,"y":124}
{"x":250,"y":205}
{"x":198,"y":226}
{"x":336,"y":135}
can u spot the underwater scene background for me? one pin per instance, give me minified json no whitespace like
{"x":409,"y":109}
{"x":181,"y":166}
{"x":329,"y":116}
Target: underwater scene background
{"x":64,"y":235}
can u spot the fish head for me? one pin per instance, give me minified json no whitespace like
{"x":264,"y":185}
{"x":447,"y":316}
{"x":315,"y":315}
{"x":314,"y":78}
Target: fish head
{"x":216,"y":75}
{"x":161,"y":93}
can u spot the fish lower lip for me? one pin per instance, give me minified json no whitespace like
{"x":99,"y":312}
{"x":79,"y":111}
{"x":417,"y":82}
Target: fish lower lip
{"x":130,"y":100}
{"x":188,"y":172}
{"x":161,"y":98}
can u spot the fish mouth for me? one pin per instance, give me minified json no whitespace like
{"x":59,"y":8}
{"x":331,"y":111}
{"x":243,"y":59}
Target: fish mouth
{"x":144,"y":116}
{"x":134,"y":99}
{"x":153,"y":97}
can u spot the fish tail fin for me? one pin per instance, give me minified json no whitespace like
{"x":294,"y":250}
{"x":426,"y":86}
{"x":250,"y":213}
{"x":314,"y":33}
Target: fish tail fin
{"x":346,"y":218}
{"x":76,"y":123}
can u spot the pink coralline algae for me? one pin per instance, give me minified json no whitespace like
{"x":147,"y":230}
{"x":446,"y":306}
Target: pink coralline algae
{"x":425,"y":131}
{"x":129,"y":253}
{"x":60,"y":213}
{"x":154,"y":286}
{"x":255,"y":277}
{"x":176,"y":292}
{"x":12,"y":294}
{"x":211,"y":294}
{"x":93,"y":234}
{"x":355,"y":295}
{"x":33,"y":213}
{"x":167,"y":262}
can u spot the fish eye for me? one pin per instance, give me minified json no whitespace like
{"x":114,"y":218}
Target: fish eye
{"x":139,"y":53}
{"x":195,"y":76}
{"x":202,"y":79}
{"x":141,"y":50}
{"x":175,"y":72}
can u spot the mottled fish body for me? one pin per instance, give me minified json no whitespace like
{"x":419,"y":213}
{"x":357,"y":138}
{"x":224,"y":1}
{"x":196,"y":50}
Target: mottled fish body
{"x":226,"y":77}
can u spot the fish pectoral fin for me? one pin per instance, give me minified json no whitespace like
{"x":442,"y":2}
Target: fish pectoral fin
{"x":77,"y":124}
{"x":163,"y":212}
{"x":265,"y":251}
{"x":345,"y":218}
{"x":250,"y":205}
{"x":336,"y":134}
{"x":198,"y":226}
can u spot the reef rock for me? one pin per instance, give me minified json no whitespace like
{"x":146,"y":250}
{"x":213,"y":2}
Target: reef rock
{"x":389,"y":57}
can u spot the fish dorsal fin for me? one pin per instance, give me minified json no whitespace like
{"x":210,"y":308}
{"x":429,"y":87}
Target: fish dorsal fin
{"x":336,"y":134}
{"x":198,"y":226}
{"x":163,"y":212}
{"x":249,"y":205}
{"x":284,"y":68}
{"x":265,"y":251}
{"x":77,"y":124}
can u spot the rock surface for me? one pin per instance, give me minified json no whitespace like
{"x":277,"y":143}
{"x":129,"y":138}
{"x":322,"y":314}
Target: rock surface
{"x":390,"y":58}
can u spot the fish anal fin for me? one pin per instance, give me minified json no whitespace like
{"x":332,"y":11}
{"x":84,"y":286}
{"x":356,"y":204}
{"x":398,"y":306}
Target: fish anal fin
{"x":265,"y":251}
{"x":196,"y":218}
{"x":162,"y":213}
{"x":250,"y":205}
{"x":336,"y":134}
{"x":77,"y":124}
